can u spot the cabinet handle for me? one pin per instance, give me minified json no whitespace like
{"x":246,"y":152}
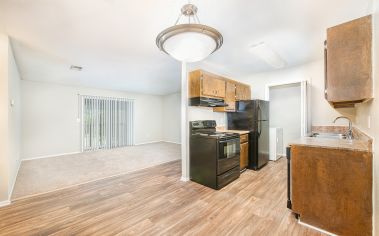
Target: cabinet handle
{"x":326,"y":69}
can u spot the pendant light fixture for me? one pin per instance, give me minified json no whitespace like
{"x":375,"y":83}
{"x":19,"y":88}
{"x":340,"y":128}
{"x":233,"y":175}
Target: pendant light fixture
{"x":189,"y":42}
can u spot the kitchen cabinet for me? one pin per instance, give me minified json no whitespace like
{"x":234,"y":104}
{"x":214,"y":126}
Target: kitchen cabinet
{"x":244,"y":151}
{"x":348,"y":63}
{"x":205,"y":84}
{"x":210,"y":90}
{"x":230,"y":98}
{"x":243,"y":92}
{"x":331,"y":188}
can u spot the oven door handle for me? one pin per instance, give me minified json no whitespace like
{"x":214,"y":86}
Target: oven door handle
{"x":229,"y":140}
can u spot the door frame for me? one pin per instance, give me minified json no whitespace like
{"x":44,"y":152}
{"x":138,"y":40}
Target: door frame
{"x":304,"y":102}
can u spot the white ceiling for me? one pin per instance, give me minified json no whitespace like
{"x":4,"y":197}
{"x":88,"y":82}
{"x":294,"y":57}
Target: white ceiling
{"x":114,"y":40}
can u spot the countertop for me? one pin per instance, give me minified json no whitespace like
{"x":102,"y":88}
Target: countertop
{"x":361,"y":142}
{"x":354,"y":145}
{"x":232,"y":131}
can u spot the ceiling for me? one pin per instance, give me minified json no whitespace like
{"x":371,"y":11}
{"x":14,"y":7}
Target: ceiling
{"x":114,"y":40}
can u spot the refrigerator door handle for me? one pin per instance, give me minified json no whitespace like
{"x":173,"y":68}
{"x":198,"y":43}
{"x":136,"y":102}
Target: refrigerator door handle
{"x":259,"y":121}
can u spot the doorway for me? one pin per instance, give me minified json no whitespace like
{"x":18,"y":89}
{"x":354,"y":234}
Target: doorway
{"x":285,"y":112}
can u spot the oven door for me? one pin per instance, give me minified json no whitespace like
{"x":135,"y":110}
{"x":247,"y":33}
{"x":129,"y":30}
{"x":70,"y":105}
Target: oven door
{"x":228,"y":156}
{"x":229,"y":148}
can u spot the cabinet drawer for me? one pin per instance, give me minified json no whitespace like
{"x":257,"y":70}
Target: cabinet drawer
{"x":228,"y":177}
{"x":244,"y":138}
{"x":226,"y":164}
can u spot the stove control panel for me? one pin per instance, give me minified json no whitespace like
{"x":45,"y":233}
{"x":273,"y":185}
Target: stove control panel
{"x":203,"y":124}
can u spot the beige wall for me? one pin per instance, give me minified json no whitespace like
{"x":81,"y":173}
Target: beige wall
{"x":321,"y":112}
{"x":171,"y":117}
{"x":9,"y":119}
{"x":370,"y":111}
{"x":50,"y":111}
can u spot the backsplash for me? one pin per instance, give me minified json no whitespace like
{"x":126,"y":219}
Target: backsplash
{"x":204,"y":113}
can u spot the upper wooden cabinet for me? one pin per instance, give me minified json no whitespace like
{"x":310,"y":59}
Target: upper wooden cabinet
{"x":243,"y":92}
{"x":230,"y":98}
{"x":348,"y":63}
{"x":205,"y":84}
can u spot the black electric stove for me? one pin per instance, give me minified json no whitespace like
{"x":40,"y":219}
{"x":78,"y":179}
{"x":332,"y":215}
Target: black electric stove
{"x":214,"y":156}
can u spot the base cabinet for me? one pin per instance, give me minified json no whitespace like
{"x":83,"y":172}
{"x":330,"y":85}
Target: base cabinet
{"x":332,"y":189}
{"x":244,"y":151}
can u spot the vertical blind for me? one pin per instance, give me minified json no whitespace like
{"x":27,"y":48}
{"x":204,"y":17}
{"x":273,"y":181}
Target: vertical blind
{"x":106,"y":122}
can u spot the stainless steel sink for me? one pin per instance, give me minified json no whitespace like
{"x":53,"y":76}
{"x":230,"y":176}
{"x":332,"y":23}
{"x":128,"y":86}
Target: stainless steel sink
{"x":329,"y":135}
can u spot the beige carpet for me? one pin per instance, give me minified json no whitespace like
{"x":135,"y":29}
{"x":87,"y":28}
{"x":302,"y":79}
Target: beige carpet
{"x":49,"y":174}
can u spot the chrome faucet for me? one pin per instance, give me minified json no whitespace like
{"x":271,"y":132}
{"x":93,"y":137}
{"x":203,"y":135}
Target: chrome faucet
{"x":349,"y":133}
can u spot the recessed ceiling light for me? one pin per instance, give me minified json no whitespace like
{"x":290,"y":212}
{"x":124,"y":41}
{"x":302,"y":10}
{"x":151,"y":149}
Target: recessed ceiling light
{"x":267,"y":54}
{"x":77,"y":68}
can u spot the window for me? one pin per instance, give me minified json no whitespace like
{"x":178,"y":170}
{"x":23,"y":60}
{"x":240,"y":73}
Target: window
{"x":106,"y":122}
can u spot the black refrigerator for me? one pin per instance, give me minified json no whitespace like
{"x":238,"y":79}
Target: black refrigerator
{"x":253,"y":115}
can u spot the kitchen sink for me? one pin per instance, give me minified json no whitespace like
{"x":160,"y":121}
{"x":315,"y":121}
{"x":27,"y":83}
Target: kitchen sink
{"x":329,"y":135}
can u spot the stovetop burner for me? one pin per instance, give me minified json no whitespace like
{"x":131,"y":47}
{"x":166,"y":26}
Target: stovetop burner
{"x":207,"y":128}
{"x":217,"y":134}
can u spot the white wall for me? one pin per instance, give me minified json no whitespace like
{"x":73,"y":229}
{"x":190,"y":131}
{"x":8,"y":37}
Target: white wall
{"x":285,"y":111}
{"x":171,"y":117}
{"x":9,"y":119}
{"x":4,"y":163}
{"x":14,"y":118}
{"x":50,"y":111}
{"x":321,"y":112}
{"x":205,"y":113}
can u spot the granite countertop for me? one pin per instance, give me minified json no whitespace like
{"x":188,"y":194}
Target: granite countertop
{"x":361,"y":142}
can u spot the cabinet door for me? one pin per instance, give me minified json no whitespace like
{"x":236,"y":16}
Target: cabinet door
{"x":239,"y":92}
{"x":244,"y":155}
{"x":230,"y":96}
{"x":243,"y":92}
{"x":212,"y":86}
{"x":247,"y":93}
{"x":349,"y":61}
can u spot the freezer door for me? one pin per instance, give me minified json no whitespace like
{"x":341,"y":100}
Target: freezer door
{"x":263,"y":110}
{"x":244,"y":118}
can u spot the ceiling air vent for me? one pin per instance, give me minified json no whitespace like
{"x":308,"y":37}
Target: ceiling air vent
{"x":77,"y":68}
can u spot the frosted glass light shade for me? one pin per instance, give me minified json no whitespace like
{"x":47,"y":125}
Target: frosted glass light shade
{"x":190,"y":47}
{"x":189,"y":42}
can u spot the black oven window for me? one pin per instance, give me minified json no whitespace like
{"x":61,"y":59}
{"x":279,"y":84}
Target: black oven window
{"x":230,"y":149}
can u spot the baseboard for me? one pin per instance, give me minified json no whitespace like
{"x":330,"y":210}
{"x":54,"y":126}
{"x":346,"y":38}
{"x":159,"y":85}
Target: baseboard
{"x":5,"y":203}
{"x":184,"y":179}
{"x":171,"y":142}
{"x":137,"y":144}
{"x":48,"y":156}
{"x":160,"y":141}
{"x":315,"y":228}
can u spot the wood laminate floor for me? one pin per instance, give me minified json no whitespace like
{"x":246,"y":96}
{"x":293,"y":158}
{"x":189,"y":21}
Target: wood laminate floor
{"x":155,"y":202}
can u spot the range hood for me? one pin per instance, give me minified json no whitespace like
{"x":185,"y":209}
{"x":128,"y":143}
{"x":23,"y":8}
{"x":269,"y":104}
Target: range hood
{"x":207,"y":102}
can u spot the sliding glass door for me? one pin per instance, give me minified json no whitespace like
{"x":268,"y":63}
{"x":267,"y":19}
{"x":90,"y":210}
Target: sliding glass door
{"x":106,"y":122}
